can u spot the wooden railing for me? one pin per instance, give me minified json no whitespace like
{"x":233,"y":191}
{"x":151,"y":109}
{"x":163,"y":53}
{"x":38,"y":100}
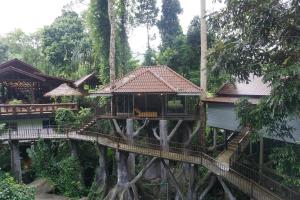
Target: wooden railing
{"x":248,"y":181}
{"x":20,"y":109}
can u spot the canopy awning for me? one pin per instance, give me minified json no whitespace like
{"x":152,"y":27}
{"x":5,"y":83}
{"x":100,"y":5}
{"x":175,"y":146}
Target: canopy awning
{"x":64,"y":90}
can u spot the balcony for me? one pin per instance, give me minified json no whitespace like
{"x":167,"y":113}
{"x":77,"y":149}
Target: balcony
{"x":24,"y":109}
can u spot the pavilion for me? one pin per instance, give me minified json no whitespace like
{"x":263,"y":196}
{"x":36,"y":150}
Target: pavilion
{"x":152,"y":92}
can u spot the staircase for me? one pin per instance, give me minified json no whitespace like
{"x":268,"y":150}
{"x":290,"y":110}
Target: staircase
{"x":235,"y":147}
{"x":87,"y":125}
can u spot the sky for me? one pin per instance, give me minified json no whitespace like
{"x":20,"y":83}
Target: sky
{"x":32,"y":15}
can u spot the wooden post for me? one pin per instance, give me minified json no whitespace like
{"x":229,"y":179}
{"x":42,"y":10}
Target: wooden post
{"x":73,"y":148}
{"x":214,"y":137}
{"x":225,"y":139}
{"x":15,"y":160}
{"x":261,"y":153}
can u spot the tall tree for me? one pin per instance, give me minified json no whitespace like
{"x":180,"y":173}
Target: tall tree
{"x":203,"y":72}
{"x":146,"y":13}
{"x":99,"y":26}
{"x":168,"y":25}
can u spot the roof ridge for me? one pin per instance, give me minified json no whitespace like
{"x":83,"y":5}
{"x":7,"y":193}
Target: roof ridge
{"x":180,"y":76}
{"x":164,"y":82}
{"x":129,"y":81}
{"x":22,"y":71}
{"x":18,"y":60}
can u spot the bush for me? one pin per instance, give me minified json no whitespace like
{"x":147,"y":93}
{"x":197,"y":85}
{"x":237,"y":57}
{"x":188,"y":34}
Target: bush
{"x":9,"y":189}
{"x":69,"y":179}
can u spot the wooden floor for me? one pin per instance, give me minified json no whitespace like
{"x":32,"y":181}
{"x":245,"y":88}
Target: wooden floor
{"x":244,"y":184}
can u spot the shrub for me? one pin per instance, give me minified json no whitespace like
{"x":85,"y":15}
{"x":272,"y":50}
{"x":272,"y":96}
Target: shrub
{"x":9,"y":189}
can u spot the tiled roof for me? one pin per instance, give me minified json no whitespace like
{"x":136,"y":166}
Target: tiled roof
{"x":153,"y":79}
{"x":255,"y":87}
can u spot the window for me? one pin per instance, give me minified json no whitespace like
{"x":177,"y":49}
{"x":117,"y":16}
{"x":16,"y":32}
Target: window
{"x":175,"y":104}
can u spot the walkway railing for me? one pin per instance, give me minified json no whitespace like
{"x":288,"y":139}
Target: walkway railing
{"x":240,"y":177}
{"x":18,"y":109}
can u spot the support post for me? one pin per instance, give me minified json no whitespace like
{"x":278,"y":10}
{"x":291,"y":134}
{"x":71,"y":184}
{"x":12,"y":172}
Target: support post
{"x":131,"y":157}
{"x":214,"y":138}
{"x":225,"y":139}
{"x":15,"y":160}
{"x":261,"y":153}
{"x":73,"y":148}
{"x":163,"y":131}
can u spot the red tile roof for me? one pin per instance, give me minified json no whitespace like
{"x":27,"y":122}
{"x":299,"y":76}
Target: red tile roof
{"x":229,"y":100}
{"x":153,"y":79}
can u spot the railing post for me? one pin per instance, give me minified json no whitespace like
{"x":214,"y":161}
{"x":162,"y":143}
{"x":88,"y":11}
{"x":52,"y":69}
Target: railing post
{"x":39,"y":134}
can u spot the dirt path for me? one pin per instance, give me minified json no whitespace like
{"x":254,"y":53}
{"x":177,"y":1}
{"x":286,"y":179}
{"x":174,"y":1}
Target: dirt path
{"x":49,"y":197}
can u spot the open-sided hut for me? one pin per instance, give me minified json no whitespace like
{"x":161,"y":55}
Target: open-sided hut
{"x":22,"y":102}
{"x":155,"y":91}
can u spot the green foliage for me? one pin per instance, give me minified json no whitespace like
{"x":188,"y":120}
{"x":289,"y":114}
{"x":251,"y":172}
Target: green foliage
{"x":15,"y":101}
{"x":65,"y":42}
{"x":149,"y":58}
{"x":63,"y":172}
{"x":287,"y":163}
{"x":42,"y":159}
{"x":65,"y":117}
{"x":68,"y":180}
{"x":26,"y":47}
{"x":261,"y":37}
{"x":9,"y":189}
{"x":168,"y":25}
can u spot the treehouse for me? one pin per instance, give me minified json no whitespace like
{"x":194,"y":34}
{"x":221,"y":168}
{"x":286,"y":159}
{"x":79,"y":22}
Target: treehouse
{"x":152,"y":92}
{"x":221,"y":108}
{"x":22,"y":101}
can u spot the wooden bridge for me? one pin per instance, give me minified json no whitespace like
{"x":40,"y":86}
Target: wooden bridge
{"x":254,"y":188}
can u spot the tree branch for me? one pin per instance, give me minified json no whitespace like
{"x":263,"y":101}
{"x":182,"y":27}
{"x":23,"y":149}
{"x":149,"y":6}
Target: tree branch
{"x":141,"y":173}
{"x":226,"y":189}
{"x":175,"y":129}
{"x":141,"y":127}
{"x":154,"y":130}
{"x":173,"y":179}
{"x":191,"y":135}
{"x":118,"y":129}
{"x":207,"y":189}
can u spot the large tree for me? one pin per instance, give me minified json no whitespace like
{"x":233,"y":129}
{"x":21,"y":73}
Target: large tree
{"x":168,"y":25}
{"x":263,"y":37}
{"x":61,"y":39}
{"x":99,"y":26}
{"x":146,"y":14}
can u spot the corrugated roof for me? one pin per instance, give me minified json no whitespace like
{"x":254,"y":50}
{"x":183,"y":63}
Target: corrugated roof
{"x":152,"y":79}
{"x":229,"y":100}
{"x":255,"y":87}
{"x":84,"y":79}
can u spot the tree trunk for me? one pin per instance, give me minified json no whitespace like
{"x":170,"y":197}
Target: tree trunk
{"x":131,"y":157}
{"x":203,"y":73}
{"x":15,"y":160}
{"x":99,"y":187}
{"x":112,"y":46}
{"x":73,"y":148}
{"x":163,"y":132}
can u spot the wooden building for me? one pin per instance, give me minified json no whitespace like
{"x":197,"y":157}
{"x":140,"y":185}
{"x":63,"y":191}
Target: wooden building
{"x":221,"y":108}
{"x":152,"y":92}
{"x":23,"y":105}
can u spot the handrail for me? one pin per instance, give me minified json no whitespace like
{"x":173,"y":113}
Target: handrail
{"x":256,"y":185}
{"x":15,"y":109}
{"x":245,"y":135}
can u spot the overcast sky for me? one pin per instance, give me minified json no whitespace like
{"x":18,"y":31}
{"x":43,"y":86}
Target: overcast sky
{"x":31,"y":15}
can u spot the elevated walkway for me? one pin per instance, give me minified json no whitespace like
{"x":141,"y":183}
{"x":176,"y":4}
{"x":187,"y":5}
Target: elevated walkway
{"x":176,"y":152}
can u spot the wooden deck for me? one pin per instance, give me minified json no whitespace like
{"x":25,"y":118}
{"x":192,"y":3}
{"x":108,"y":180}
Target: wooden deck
{"x":175,"y":152}
{"x":24,"y":109}
{"x":187,"y":117}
